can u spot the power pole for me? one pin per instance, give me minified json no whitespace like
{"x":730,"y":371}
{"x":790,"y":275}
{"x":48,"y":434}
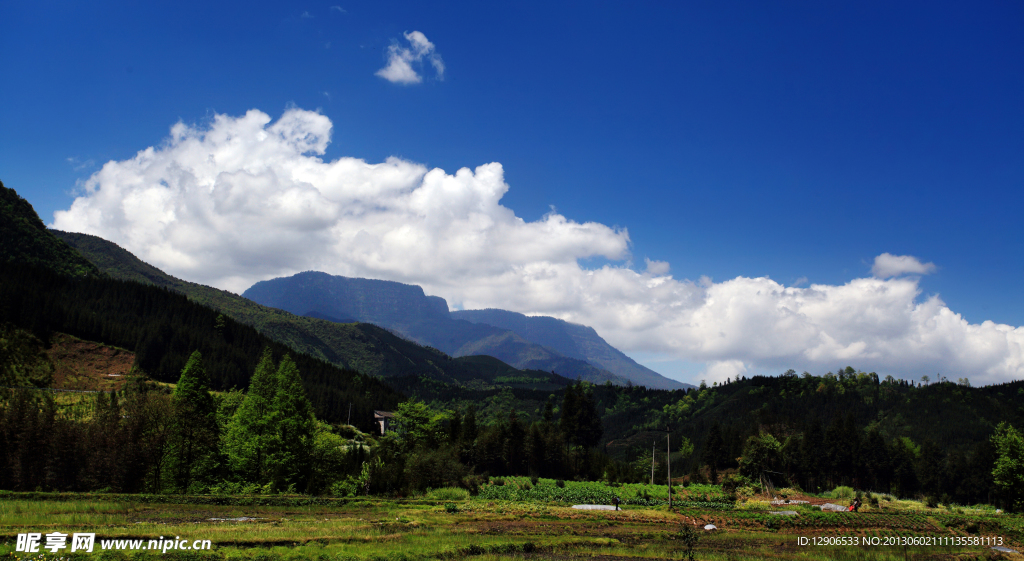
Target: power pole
{"x":653,"y":444}
{"x":668,"y":454}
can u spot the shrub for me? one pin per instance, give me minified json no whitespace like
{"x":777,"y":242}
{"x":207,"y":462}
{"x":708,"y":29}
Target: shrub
{"x":472,"y":483}
{"x":785,"y":492}
{"x":433,"y":468}
{"x":534,"y":480}
{"x":451,"y":508}
{"x":448,"y":494}
{"x":498,"y":481}
{"x":842,"y":492}
{"x":560,"y":484}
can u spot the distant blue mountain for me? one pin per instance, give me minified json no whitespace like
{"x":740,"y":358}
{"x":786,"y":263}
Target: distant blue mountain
{"x":541,"y":343}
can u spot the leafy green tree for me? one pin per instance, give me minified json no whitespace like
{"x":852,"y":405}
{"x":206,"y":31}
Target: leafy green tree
{"x":292,"y":424}
{"x":193,"y":448}
{"x":903,"y":454}
{"x":328,"y":458}
{"x":760,"y":453}
{"x":1008,"y":472}
{"x":420,"y":426}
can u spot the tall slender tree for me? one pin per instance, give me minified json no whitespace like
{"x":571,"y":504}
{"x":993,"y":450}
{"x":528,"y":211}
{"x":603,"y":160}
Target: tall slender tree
{"x":249,"y":433}
{"x":293,"y":424}
{"x":193,"y":451}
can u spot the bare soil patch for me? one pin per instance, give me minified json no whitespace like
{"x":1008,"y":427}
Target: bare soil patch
{"x":85,"y":365}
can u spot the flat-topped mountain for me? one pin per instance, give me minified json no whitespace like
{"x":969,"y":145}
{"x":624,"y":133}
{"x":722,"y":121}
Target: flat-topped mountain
{"x":541,"y":343}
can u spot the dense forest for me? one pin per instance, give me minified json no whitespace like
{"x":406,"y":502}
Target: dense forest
{"x":147,"y":438}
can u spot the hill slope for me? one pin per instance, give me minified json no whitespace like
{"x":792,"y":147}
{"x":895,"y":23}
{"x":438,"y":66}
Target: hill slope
{"x":572,"y":340}
{"x":363,"y":347}
{"x":24,"y":239}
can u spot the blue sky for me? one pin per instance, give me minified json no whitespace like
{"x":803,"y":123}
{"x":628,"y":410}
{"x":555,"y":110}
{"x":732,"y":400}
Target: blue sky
{"x":787,"y":140}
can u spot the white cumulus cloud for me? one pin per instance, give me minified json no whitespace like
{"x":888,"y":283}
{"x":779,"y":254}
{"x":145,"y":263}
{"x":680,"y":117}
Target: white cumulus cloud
{"x":887,"y":265}
{"x":244,"y":199}
{"x":401,"y":60}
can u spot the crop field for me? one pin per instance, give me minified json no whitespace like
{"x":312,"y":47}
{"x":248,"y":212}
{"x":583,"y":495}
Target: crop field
{"x":513,"y":520}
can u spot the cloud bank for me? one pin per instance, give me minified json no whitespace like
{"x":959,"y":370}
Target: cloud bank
{"x":399,"y":69}
{"x":245,"y":199}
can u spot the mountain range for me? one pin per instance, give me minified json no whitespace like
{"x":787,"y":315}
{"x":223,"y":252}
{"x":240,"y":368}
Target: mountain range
{"x":532,"y":343}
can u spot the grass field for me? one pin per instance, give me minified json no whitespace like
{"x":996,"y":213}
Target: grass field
{"x":485,"y":529}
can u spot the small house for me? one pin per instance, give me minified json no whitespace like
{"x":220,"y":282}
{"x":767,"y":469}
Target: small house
{"x":384,"y":419}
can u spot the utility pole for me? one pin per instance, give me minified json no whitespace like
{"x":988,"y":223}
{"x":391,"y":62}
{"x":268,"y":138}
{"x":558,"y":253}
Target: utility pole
{"x":668,"y":454}
{"x":653,"y":444}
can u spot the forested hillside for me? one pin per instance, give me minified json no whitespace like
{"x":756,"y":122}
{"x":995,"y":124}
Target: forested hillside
{"x":163,"y":328}
{"x":364,"y":347}
{"x":25,"y":239}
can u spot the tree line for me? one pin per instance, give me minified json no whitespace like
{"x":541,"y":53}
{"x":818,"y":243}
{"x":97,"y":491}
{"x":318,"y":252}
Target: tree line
{"x":146,"y":438}
{"x":163,"y":328}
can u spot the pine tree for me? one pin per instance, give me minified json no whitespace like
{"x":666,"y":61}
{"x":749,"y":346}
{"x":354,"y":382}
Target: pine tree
{"x":249,"y":433}
{"x":193,"y":451}
{"x":713,"y":451}
{"x":293,"y":424}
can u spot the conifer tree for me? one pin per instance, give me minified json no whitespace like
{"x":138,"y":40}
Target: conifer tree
{"x":713,"y":451}
{"x":249,"y":433}
{"x":193,"y":451}
{"x":292,"y":423}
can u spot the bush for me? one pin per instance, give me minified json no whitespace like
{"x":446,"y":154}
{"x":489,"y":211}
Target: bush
{"x":433,"y":468}
{"x":560,"y":484}
{"x":534,"y":480}
{"x":451,"y":508}
{"x":842,"y":492}
{"x":448,"y":494}
{"x":472,"y":483}
{"x":785,"y":492}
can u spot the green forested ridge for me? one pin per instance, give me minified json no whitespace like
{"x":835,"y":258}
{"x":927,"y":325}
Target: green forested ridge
{"x":25,"y":239}
{"x":163,"y":328}
{"x":363,"y":347}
